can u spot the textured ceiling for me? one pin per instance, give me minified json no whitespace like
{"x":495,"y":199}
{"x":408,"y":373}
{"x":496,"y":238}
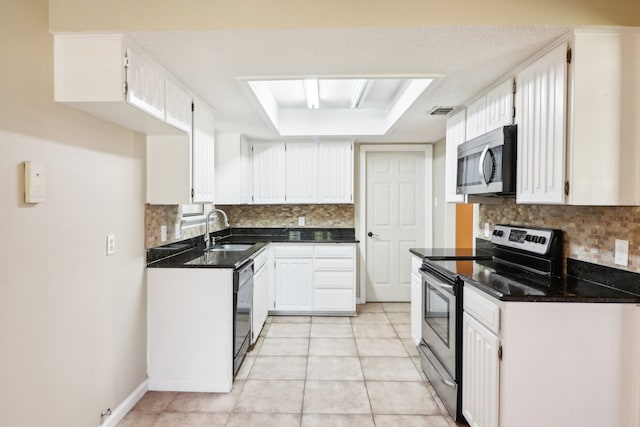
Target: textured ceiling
{"x":469,"y":58}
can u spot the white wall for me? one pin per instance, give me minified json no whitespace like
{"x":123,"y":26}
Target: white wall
{"x":72,"y":320}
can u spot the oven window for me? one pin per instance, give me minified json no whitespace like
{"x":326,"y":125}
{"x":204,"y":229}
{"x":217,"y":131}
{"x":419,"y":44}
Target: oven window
{"x":437,"y":312}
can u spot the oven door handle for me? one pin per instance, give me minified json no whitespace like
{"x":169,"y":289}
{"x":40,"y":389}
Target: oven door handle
{"x":444,"y":380}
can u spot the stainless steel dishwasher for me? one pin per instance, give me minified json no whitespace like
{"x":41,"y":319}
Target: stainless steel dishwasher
{"x":242,"y":308}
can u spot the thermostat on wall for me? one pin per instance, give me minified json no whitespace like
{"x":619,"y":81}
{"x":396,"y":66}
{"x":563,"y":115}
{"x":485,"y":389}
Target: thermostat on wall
{"x":33,"y":182}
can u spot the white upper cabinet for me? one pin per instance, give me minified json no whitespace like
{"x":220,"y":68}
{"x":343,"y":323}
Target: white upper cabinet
{"x":476,"y":122}
{"x":540,"y":116}
{"x":144,"y":83}
{"x":603,"y":126}
{"x":107,"y":76}
{"x":203,"y":161}
{"x":499,"y":110}
{"x":455,"y":136}
{"x":269,"y":172}
{"x":492,"y":110}
{"x":178,"y":105}
{"x":335,"y":172}
{"x":577,"y":122}
{"x":302,"y":172}
{"x":234,"y":174}
{"x":180,"y":168}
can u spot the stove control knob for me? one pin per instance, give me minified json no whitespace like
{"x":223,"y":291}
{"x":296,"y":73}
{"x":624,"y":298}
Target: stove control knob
{"x":527,"y":238}
{"x":535,"y":239}
{"x":498,"y":233}
{"x":542,"y":240}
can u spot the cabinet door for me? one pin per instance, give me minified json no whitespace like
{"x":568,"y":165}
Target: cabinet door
{"x":260,"y":302}
{"x":499,"y":111}
{"x":177,"y":106}
{"x":302,"y":172}
{"x":480,"y":370}
{"x":476,"y":120}
{"x":541,"y":118}
{"x":454,"y":137}
{"x":145,"y":84}
{"x":269,"y":173}
{"x":335,"y":172}
{"x":203,"y":174}
{"x":293,"y":284}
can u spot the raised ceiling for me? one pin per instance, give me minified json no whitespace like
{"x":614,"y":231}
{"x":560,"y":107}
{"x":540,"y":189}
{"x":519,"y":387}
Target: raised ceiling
{"x":216,"y":65}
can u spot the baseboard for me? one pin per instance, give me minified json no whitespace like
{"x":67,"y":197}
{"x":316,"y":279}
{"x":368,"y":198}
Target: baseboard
{"x":123,"y":408}
{"x":360,"y":301}
{"x":211,"y":386}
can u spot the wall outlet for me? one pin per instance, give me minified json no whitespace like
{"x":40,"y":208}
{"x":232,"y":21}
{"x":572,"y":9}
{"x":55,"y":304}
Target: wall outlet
{"x":111,"y":244}
{"x":176,"y":231}
{"x":301,"y":221}
{"x":621,"y":254}
{"x":163,"y":233}
{"x":487,"y":230}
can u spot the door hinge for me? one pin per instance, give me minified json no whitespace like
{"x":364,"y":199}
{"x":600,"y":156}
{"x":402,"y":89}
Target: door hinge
{"x":513,"y":86}
{"x":193,"y":107}
{"x":192,"y":193}
{"x":126,"y":87}
{"x":126,"y":74}
{"x":569,"y":56}
{"x":500,"y":353}
{"x":566,"y":188}
{"x":513,"y":114}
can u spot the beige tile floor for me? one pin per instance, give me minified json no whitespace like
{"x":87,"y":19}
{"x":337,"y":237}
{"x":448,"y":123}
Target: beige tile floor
{"x":304,"y":371}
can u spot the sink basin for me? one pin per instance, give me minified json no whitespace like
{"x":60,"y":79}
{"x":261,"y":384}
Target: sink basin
{"x":231,"y":247}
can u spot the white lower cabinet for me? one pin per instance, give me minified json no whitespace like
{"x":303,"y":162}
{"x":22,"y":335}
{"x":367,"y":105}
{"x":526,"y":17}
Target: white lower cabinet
{"x":260,"y":294}
{"x":314,"y":278}
{"x":334,"y":278}
{"x":416,"y":299}
{"x":480,"y":372}
{"x":190,"y":329}
{"x":531,"y":364}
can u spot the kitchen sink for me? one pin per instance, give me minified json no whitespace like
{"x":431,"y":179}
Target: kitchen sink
{"x":231,"y":247}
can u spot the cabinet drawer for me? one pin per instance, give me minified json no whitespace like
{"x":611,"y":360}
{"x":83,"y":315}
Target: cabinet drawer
{"x":332,"y":264}
{"x":482,"y":308}
{"x":293,"y":251}
{"x":333,"y":300}
{"x":334,"y":251}
{"x":333,"y":280}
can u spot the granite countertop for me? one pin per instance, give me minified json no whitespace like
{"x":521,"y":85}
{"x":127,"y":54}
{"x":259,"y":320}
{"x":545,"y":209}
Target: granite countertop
{"x":583,"y":283}
{"x":190,"y":253}
{"x":483,"y":250}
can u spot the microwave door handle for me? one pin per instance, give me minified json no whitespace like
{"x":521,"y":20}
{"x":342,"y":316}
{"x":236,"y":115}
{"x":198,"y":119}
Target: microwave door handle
{"x":481,"y":165}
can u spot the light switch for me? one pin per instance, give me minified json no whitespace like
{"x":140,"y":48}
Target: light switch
{"x":163,"y":233}
{"x":301,"y":221}
{"x":111,"y":244}
{"x":487,"y":230}
{"x":33,"y":182}
{"x":176,"y":231}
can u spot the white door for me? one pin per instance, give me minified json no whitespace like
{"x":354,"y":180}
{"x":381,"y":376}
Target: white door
{"x":203,"y":161}
{"x":335,"y":172}
{"x":395,"y":221}
{"x":302,"y":172}
{"x":293,"y":284}
{"x":269,"y":173}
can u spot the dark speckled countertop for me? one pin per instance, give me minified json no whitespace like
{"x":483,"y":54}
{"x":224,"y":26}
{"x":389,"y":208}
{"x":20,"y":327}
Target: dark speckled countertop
{"x":189,"y":253}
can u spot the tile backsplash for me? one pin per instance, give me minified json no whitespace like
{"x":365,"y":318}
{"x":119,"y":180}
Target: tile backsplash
{"x":245,"y":216}
{"x":287,"y":215}
{"x":589,"y":231}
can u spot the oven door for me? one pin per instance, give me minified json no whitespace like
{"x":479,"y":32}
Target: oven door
{"x":439,"y":320}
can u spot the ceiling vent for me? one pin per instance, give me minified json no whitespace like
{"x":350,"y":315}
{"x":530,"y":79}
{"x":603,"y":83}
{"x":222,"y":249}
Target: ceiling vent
{"x":440,"y":111}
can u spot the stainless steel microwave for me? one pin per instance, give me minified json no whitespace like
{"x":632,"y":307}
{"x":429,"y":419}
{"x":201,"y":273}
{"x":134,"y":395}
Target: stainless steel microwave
{"x":487,"y":164}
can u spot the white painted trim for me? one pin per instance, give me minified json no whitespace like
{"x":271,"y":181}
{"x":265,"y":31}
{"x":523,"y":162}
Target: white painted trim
{"x":362,"y":200}
{"x":127,"y":404}
{"x":215,"y":386}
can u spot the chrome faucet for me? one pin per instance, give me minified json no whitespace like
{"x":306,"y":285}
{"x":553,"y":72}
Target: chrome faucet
{"x":207,"y":239}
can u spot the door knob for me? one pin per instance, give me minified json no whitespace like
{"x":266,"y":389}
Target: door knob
{"x":370,"y":234}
